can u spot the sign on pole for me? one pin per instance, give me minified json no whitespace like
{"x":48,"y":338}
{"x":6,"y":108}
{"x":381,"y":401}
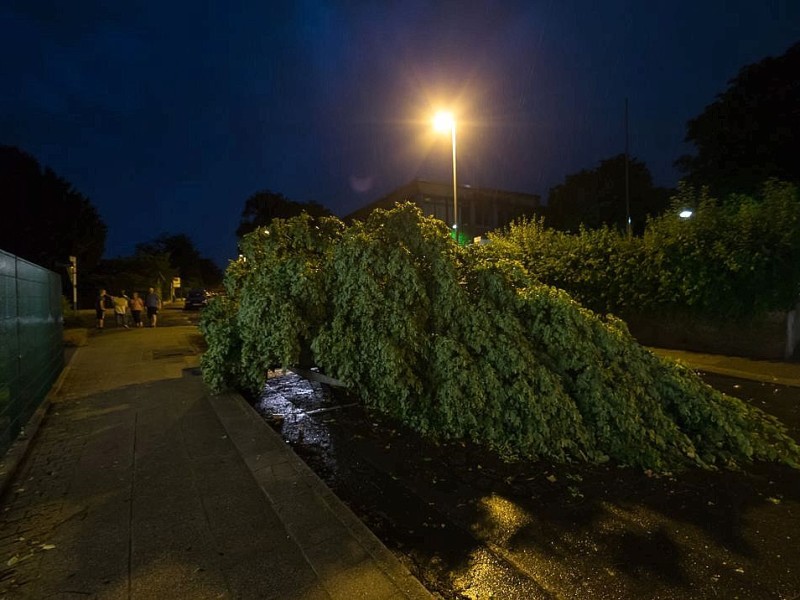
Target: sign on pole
{"x":73,"y":275}
{"x":176,"y":283}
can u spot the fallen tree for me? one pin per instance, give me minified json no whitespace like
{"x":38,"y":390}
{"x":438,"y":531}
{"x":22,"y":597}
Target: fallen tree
{"x":460,"y":343}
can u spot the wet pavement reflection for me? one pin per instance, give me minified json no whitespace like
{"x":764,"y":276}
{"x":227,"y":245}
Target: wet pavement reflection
{"x":471,"y":526}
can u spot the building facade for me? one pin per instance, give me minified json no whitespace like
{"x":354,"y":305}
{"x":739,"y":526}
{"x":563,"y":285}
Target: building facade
{"x":480,"y":209}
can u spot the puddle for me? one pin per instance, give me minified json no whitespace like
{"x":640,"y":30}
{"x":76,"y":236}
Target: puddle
{"x":302,"y":411}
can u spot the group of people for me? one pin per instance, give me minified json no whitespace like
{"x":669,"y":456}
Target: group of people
{"x":122,"y":305}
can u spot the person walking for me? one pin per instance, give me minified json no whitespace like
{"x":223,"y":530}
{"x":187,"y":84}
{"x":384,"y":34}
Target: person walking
{"x":100,"y":308}
{"x":121,"y":309}
{"x":137,"y":306}
{"x":152,"y":302}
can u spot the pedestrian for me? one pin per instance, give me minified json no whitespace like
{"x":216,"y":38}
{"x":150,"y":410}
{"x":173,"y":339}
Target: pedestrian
{"x":137,"y":306}
{"x":121,"y":309}
{"x":153,"y":302}
{"x":100,"y":308}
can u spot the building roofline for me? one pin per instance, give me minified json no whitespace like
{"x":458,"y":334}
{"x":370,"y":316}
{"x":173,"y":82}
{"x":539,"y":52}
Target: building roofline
{"x":416,"y":186}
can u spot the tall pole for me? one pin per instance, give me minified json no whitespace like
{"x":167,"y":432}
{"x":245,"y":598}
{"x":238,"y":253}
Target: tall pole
{"x":455,"y":185}
{"x":441,"y":122}
{"x":627,"y":184}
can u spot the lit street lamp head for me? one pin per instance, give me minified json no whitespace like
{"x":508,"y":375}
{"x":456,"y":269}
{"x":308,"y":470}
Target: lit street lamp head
{"x":444,"y":121}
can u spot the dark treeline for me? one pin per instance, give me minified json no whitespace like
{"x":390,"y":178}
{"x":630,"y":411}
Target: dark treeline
{"x":46,"y":221}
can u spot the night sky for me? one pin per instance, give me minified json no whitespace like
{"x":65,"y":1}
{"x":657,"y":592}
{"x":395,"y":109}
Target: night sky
{"x":168,"y":115}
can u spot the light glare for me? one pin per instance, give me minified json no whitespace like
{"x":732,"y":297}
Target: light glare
{"x":443,"y":121}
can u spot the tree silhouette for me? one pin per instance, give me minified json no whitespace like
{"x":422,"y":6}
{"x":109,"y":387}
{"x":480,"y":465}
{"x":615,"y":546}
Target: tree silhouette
{"x":749,"y":133}
{"x":262,"y":207}
{"x":46,"y":220}
{"x":155,"y":263}
{"x":596,"y":197}
{"x":194,"y":270}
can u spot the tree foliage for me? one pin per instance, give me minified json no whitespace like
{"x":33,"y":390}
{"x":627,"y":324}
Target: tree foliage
{"x":275,"y":302}
{"x":750,"y":132}
{"x":463,"y":343}
{"x":45,"y":219}
{"x":261,"y":208}
{"x":595,"y":198}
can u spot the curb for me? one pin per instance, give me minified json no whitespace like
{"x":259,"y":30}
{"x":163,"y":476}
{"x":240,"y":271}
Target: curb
{"x":230,"y":407}
{"x":11,"y":461}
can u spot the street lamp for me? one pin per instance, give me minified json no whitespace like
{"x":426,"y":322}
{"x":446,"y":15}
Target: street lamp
{"x":685,"y":213}
{"x":442,"y":122}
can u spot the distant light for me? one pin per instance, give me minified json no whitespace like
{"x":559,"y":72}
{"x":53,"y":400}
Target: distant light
{"x":455,"y":226}
{"x":685,"y":213}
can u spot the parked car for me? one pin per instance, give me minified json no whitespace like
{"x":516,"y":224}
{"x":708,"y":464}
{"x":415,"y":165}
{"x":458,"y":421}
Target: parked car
{"x":195,"y":300}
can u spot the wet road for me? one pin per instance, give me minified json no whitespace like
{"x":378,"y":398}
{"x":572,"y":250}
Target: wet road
{"x":470,"y":526}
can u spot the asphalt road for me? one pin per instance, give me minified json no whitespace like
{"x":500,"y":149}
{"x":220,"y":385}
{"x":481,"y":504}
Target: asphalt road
{"x":470,"y":526}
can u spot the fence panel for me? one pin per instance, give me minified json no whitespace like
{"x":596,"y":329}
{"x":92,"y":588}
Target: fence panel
{"x":31,"y":341}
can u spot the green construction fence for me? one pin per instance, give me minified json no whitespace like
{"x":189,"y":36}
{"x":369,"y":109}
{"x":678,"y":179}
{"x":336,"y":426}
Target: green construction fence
{"x":31,"y":341}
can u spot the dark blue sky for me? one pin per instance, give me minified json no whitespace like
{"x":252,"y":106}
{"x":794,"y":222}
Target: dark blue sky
{"x":169,"y":115}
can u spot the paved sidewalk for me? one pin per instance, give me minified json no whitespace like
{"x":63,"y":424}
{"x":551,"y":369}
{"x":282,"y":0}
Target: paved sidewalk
{"x":770,"y":371}
{"x":141,"y":484}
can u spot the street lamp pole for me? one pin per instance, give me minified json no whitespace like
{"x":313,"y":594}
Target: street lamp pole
{"x":455,"y":184}
{"x":444,"y":121}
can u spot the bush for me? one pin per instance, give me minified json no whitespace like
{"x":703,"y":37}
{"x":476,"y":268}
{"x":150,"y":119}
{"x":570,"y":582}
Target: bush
{"x":731,"y":260}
